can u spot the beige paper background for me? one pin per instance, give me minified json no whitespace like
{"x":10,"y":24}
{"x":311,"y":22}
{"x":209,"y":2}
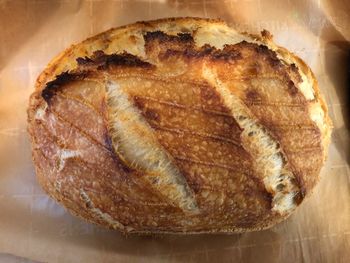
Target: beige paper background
{"x":34,"y":227}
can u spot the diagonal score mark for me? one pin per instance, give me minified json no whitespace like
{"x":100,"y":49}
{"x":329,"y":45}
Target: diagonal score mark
{"x":135,"y":142}
{"x":269,"y":162}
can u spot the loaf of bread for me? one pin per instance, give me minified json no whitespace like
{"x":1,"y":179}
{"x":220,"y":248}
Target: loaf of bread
{"x":179,"y":125}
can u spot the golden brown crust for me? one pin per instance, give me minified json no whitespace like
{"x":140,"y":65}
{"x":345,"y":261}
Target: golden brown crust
{"x":73,"y":150}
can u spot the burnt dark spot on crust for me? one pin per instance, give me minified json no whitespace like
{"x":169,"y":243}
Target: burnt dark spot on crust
{"x":263,"y":50}
{"x":252,"y":95}
{"x":84,"y":61}
{"x":260,"y":49}
{"x":299,"y":181}
{"x":160,"y":44}
{"x":53,"y":86}
{"x":170,"y":53}
{"x":266,"y":34}
{"x":275,"y":62}
{"x":195,"y":186}
{"x":269,"y":198}
{"x":182,"y":45}
{"x":123,"y":60}
{"x":294,"y":72}
{"x":294,"y":68}
{"x":262,"y":54}
{"x":299,"y":197}
{"x":205,"y":51}
{"x":292,"y":89}
{"x":151,"y":115}
{"x":187,"y":53}
{"x":139,"y":103}
{"x":185,"y":37}
{"x":208,"y":93}
{"x":227,"y":54}
{"x":211,"y":100}
{"x":192,"y":53}
{"x":163,"y":37}
{"x":103,"y":61}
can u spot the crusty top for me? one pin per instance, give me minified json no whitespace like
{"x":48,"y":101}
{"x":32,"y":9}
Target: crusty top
{"x":178,"y":125}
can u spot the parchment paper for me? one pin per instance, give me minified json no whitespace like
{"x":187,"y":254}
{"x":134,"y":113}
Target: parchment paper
{"x":34,"y":227}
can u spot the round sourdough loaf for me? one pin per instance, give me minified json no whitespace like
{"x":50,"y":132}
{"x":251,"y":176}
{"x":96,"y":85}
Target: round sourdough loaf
{"x":179,"y":125}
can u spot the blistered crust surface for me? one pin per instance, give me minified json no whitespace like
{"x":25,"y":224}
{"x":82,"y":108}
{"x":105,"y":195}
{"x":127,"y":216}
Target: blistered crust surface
{"x":160,"y":66}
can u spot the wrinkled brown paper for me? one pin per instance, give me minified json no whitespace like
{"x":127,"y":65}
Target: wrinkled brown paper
{"x":34,"y":227}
